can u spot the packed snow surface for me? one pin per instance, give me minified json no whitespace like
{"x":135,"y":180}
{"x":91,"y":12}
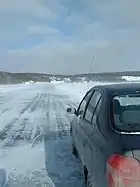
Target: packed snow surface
{"x":35,"y":147}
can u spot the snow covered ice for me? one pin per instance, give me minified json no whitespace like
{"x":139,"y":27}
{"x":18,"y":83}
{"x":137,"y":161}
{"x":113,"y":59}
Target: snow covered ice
{"x":34,"y":137}
{"x":35,"y":147}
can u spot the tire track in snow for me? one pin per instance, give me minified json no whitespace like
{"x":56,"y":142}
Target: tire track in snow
{"x":57,"y":121}
{"x":62,"y":119}
{"x":62,"y":167}
{"x":36,"y":104}
{"x":50,"y":124}
{"x":2,"y":100}
{"x":46,"y":101}
{"x":8,"y":135}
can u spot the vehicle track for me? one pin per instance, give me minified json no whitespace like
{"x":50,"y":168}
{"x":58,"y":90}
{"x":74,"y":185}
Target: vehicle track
{"x":62,"y":167}
{"x":40,"y":115}
{"x":9,"y":135}
{"x":62,"y":121}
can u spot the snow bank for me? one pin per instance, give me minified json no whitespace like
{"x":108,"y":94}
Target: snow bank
{"x":29,"y":82}
{"x":131,"y":78}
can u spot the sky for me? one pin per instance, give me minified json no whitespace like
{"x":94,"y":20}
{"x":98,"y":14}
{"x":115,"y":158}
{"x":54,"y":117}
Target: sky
{"x":62,"y":36}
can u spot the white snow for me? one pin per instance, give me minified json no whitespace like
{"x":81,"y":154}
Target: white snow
{"x":29,"y":82}
{"x":22,"y":107}
{"x":131,"y":78}
{"x":77,"y":90}
{"x":28,"y":114}
{"x":14,"y":160}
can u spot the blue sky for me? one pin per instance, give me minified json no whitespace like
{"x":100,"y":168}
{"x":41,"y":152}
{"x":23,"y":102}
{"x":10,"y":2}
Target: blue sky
{"x":61,"y":36}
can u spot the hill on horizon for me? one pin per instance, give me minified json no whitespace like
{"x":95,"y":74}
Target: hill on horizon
{"x":13,"y":78}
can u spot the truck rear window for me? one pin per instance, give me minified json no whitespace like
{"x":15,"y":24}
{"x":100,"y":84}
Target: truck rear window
{"x":126,"y":112}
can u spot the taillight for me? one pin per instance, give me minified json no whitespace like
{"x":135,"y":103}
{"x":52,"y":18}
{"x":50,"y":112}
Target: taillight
{"x":123,"y":171}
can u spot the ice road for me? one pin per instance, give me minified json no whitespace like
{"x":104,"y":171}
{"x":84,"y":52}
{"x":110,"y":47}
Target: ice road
{"x":35,"y":147}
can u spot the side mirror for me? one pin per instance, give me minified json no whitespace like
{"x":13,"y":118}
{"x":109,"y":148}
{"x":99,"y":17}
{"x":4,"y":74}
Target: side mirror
{"x":71,"y":110}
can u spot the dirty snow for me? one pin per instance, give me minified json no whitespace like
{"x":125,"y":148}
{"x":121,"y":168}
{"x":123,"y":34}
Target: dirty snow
{"x":35,"y":147}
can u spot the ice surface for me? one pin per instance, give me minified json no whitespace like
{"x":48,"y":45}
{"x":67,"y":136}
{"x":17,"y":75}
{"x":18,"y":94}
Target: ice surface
{"x":30,"y":114}
{"x":35,"y":145}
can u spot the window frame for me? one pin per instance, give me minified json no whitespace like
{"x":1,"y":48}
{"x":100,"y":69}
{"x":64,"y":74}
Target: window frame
{"x":111,"y":113}
{"x":100,"y":98}
{"x":89,"y":92}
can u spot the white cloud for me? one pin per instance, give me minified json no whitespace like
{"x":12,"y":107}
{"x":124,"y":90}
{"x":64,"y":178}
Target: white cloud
{"x":57,"y":36}
{"x":42,"y":30}
{"x":30,"y":9}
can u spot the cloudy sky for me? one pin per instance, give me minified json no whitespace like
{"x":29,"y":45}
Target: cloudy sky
{"x":61,"y":36}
